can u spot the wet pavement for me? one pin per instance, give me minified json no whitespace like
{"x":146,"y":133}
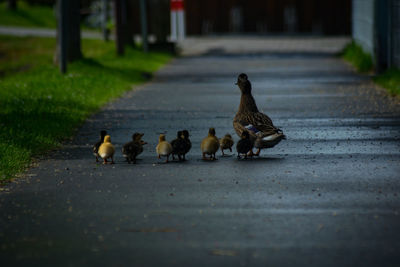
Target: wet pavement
{"x":327,"y":196}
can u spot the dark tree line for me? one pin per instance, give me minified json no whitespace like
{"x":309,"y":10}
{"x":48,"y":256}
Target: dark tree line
{"x":127,"y":15}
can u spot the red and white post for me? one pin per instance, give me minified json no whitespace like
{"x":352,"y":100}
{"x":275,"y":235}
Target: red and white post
{"x":177,"y":20}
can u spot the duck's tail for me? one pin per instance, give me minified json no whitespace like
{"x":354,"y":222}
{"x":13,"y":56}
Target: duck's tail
{"x":279,"y":131}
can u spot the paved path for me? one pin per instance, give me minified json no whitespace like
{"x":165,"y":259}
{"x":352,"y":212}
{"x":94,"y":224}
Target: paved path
{"x":327,"y":196}
{"x":41,"y":32}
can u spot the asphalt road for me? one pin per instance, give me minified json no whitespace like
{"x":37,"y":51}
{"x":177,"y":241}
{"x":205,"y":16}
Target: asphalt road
{"x":327,"y":196}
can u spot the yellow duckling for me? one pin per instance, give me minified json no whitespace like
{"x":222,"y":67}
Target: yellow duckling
{"x":210,"y":145}
{"x":107,"y":150}
{"x":163,"y":148}
{"x":226,"y":143}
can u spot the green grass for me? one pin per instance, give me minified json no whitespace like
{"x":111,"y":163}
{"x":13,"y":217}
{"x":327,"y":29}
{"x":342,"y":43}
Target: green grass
{"x":40,"y":107}
{"x":27,"y":16}
{"x":356,"y":56}
{"x":390,"y":80}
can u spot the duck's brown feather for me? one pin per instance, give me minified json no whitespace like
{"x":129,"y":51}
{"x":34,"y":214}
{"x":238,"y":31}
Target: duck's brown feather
{"x":248,"y":113}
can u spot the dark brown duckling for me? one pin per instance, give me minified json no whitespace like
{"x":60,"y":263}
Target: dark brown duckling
{"x":244,"y":145}
{"x":187,"y":143}
{"x":133,"y":148}
{"x":98,"y":144}
{"x":226,"y":143}
{"x":178,"y":146}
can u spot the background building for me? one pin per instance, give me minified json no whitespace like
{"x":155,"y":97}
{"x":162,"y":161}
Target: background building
{"x":376,"y":27}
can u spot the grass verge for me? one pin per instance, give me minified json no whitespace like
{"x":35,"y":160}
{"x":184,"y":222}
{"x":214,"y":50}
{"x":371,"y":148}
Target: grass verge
{"x":390,"y":80}
{"x":27,"y":16}
{"x":363,"y":63}
{"x":356,"y":56}
{"x":40,"y":107}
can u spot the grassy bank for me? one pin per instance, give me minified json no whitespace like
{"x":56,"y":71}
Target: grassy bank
{"x":390,"y":80}
{"x":362,"y":61}
{"x":27,"y":16}
{"x":40,"y":107}
{"x":357,"y":57}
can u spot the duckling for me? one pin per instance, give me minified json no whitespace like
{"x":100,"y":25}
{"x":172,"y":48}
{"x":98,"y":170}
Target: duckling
{"x":178,"y":146}
{"x":97,"y":145}
{"x":262,"y":131}
{"x":133,"y":148}
{"x":226,"y":143}
{"x":187,"y":143}
{"x":107,"y":150}
{"x":163,"y":148}
{"x":210,"y":145}
{"x":244,"y":145}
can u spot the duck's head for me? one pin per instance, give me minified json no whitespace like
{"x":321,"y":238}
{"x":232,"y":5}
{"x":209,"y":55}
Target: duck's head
{"x":161,"y":138}
{"x":211,"y":132}
{"x":137,"y":136}
{"x":179,"y":134}
{"x":107,"y":139}
{"x":245,"y":135}
{"x":244,"y":83}
{"x":241,"y":78}
{"x":185,"y":134}
{"x":228,"y":136}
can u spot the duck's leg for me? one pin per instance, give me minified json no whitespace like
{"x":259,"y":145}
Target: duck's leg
{"x":159,"y":156}
{"x":258,"y":152}
{"x":250,"y":154}
{"x":134,"y":160}
{"x":223,"y":154}
{"x":238,"y":156}
{"x":97,"y":159}
{"x":179,"y":157}
{"x":204,"y":156}
{"x":105,"y":161}
{"x":167,"y":159}
{"x":230,"y":149}
{"x":112,"y":160}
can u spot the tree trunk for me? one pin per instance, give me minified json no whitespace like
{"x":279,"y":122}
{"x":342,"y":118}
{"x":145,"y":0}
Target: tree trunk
{"x":12,"y":4}
{"x":119,"y":30}
{"x":104,"y":19}
{"x":68,"y":33}
{"x":74,"y":34}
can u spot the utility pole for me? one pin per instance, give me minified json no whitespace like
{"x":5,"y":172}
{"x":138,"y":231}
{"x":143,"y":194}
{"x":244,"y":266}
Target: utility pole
{"x":143,"y":22}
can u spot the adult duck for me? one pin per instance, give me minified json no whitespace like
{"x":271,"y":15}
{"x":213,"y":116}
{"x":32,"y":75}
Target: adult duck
{"x":262,"y":131}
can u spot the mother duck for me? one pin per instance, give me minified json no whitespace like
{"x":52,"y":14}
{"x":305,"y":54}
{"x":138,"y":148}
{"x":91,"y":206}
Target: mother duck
{"x":262,"y":131}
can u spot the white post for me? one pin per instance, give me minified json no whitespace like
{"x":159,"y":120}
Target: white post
{"x":181,"y":24}
{"x":177,"y":20}
{"x":174,"y":34}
